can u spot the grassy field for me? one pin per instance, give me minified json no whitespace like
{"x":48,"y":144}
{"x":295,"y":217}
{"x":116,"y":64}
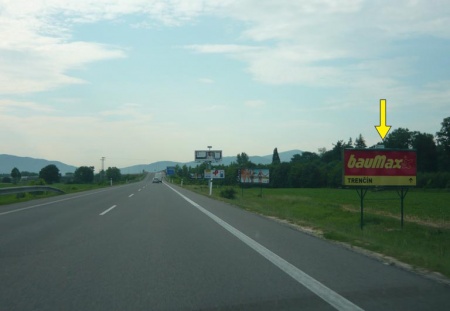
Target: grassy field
{"x":424,"y":241}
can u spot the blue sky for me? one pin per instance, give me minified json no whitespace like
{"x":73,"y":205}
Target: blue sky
{"x":142,"y":81}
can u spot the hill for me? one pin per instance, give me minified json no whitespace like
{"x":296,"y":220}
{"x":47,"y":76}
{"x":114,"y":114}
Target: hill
{"x":158,"y":166}
{"x":8,"y":162}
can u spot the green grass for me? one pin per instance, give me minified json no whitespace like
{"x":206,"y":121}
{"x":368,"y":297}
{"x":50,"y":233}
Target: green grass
{"x":423,"y":242}
{"x":67,"y":188}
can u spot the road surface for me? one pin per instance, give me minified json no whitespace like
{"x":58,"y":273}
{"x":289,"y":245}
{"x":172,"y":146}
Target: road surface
{"x":146,"y":246}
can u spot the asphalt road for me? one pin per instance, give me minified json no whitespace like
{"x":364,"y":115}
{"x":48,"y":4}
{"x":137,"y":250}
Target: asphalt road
{"x":148,"y":246}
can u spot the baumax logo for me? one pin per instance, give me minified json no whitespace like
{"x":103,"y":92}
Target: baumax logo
{"x":379,"y":161}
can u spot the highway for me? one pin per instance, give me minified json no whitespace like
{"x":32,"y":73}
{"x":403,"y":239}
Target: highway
{"x":146,"y":246}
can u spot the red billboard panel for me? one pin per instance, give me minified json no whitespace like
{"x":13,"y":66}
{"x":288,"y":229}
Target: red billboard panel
{"x":379,"y":167}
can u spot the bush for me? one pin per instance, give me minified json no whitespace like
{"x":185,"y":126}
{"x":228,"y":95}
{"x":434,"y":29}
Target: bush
{"x":20,"y":195}
{"x":433,"y":180}
{"x":228,"y":193}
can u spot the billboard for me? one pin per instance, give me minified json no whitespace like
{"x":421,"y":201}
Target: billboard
{"x":379,"y":167}
{"x":254,"y":176}
{"x":214,"y":174}
{"x":208,"y":155}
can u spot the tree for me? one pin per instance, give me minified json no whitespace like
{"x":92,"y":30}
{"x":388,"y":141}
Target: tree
{"x":426,"y":151}
{"x":15,"y":175}
{"x":185,"y":171}
{"x":279,"y":175}
{"x":84,"y":174}
{"x":399,"y":139}
{"x":443,"y":136}
{"x":50,"y":174}
{"x":305,"y":157}
{"x":360,"y":142}
{"x":276,"y":157}
{"x":443,"y":147}
{"x":113,"y":173}
{"x":349,"y":143}
{"x":334,"y":154}
{"x":244,"y":161}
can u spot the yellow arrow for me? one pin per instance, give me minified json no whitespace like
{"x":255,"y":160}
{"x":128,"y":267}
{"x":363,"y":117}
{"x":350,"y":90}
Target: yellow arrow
{"x":383,"y":129}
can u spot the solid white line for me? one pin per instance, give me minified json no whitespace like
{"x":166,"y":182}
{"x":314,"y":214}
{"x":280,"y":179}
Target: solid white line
{"x":330,"y":296}
{"x":131,"y":195}
{"x":101,"y":214}
{"x":53,"y":202}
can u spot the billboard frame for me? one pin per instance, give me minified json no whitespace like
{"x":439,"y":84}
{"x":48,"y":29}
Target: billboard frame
{"x":389,"y":179}
{"x":379,"y":167}
{"x":208,"y":156}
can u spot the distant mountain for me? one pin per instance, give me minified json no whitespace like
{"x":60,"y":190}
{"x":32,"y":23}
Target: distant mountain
{"x":32,"y":165}
{"x":152,"y":167}
{"x":158,"y":166}
{"x":8,"y":162}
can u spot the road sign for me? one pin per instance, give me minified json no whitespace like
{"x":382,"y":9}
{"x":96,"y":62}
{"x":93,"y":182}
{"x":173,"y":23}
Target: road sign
{"x":170,"y":171}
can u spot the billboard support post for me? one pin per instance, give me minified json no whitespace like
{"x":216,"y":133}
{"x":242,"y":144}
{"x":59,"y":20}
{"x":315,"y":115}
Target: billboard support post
{"x":208,"y":156}
{"x":402,"y":194}
{"x":369,"y":168}
{"x":362,"y":193}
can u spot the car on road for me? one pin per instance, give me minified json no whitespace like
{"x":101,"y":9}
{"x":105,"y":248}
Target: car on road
{"x":157,"y":178}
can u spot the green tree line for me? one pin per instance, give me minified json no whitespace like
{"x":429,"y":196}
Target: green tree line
{"x":324,"y":168}
{"x":50,"y":174}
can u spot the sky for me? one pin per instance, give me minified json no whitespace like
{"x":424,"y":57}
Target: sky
{"x":140,"y":81}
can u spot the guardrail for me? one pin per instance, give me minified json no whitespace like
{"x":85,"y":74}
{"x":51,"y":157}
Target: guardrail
{"x":14,"y":190}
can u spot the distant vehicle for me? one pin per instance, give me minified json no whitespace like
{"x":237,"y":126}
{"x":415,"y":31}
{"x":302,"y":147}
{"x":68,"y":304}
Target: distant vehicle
{"x":157,"y":178}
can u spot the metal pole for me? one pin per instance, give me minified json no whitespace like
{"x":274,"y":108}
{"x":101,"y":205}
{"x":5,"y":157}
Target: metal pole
{"x":361,"y":196}
{"x":362,"y":193}
{"x":402,"y":194}
{"x":210,"y":169}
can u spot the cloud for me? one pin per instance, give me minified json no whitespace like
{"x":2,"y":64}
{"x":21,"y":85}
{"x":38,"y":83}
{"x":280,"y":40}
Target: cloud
{"x":131,"y":112}
{"x":36,"y":53}
{"x":12,"y":106}
{"x":254,"y":103}
{"x":328,"y":43}
{"x":36,"y":47}
{"x":319,"y":43}
{"x":222,"y":48}
{"x":213,"y":108}
{"x":206,"y":80}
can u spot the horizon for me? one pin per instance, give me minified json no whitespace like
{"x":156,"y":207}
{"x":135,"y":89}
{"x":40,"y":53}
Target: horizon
{"x":139,"y":81}
{"x":143,"y":164}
